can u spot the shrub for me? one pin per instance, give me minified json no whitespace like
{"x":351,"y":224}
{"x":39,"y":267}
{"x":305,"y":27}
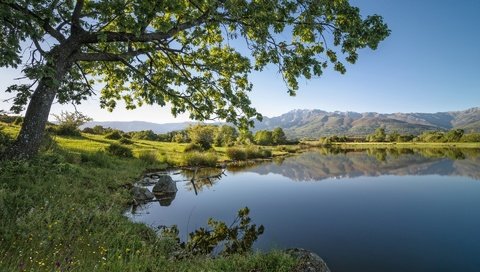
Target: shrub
{"x":148,"y":156}
{"x":235,"y":153}
{"x":119,"y":150}
{"x":18,"y":121}
{"x":114,"y":135}
{"x":200,"y":159}
{"x":69,"y":122}
{"x":88,"y":130}
{"x":254,"y":153}
{"x":126,"y":141}
{"x":193,"y":147}
{"x":97,"y":159}
{"x":5,"y":141}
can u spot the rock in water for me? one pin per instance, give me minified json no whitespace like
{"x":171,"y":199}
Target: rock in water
{"x":142,"y":195}
{"x":308,"y":261}
{"x":165,"y":184}
{"x":165,"y":190}
{"x":147,"y":181}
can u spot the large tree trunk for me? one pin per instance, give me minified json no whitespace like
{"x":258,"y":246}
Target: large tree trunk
{"x":31,"y":134}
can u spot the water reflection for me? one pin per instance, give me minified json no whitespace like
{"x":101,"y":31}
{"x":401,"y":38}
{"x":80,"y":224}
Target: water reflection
{"x":338,"y":163}
{"x":375,"y":209}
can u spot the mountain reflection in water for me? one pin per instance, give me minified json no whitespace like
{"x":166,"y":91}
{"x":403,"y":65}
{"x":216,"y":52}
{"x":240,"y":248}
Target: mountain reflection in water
{"x":322,"y":164}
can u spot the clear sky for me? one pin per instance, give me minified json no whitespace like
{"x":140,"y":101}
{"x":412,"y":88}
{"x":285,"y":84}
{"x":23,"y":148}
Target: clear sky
{"x":430,"y":63}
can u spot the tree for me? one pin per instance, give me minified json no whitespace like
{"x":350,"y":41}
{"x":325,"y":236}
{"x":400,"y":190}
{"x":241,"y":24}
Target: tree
{"x":454,"y":135}
{"x":225,"y":136}
{"x":174,"y":51}
{"x":278,"y":136}
{"x":202,"y":135}
{"x":68,"y":123}
{"x":378,"y":136}
{"x":263,"y":137}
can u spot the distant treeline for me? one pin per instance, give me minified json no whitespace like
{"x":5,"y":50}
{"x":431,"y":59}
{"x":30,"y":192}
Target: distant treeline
{"x":452,"y":136}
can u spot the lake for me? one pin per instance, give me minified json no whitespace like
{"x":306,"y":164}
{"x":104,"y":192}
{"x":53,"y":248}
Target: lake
{"x":360,"y":210}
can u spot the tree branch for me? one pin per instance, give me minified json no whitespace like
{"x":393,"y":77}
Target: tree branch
{"x":76,"y":27}
{"x":44,"y":23}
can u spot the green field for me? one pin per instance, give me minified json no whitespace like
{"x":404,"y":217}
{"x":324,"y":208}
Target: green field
{"x":62,"y":211}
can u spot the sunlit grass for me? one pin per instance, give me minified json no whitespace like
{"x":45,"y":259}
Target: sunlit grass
{"x":63,"y":211}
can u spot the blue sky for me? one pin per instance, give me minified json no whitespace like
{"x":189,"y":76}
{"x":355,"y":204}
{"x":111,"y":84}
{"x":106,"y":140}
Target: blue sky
{"x":428,"y":64}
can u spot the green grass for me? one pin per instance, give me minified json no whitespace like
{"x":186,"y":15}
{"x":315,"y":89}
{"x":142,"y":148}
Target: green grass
{"x":62,"y":211}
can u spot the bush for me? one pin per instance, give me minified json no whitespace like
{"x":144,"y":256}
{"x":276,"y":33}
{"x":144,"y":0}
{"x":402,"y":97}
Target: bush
{"x":119,"y":150}
{"x":114,"y":135}
{"x":88,"y":130}
{"x":193,"y":147}
{"x":236,"y":154}
{"x":69,"y":122}
{"x":148,"y":156}
{"x":5,"y":141}
{"x":256,"y":153}
{"x":125,"y":141}
{"x":200,"y":159}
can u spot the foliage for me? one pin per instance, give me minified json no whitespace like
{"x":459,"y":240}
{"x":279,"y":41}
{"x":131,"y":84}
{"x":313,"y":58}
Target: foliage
{"x":119,"y":150}
{"x":378,"y":136}
{"x":5,"y":141}
{"x":148,"y":156}
{"x":249,"y":152}
{"x":471,"y":137}
{"x":236,"y":238}
{"x":263,"y":137}
{"x":173,"y":52}
{"x":257,"y":153}
{"x":245,"y":137}
{"x":196,"y":158}
{"x":225,"y":135}
{"x":69,"y":122}
{"x":202,"y":135}
{"x":278,"y":136}
{"x":180,"y":137}
{"x":236,"y":153}
{"x":454,"y":135}
{"x":144,"y":135}
{"x":193,"y":147}
{"x":125,"y":141}
{"x":114,"y":135}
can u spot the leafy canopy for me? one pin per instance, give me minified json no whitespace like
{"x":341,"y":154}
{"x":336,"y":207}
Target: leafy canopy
{"x":192,"y":54}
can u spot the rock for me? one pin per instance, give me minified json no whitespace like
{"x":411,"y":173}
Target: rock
{"x":147,"y":181}
{"x":165,"y":199}
{"x":165,"y":190}
{"x":165,"y":185}
{"x":308,"y":261}
{"x":142,"y":195}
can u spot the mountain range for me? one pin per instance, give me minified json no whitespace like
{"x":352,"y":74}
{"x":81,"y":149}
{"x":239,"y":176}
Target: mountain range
{"x":316,"y":123}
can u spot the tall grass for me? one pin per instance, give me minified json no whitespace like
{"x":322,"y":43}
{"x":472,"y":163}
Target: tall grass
{"x":200,"y":159}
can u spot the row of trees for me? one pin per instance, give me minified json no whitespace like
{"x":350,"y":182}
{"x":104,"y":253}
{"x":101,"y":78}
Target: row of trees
{"x":380,"y":135}
{"x":202,"y":134}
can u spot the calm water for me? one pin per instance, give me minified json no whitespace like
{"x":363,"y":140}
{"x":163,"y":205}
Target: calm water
{"x":383,"y":210}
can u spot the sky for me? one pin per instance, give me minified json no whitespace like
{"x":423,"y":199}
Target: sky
{"x":429,"y":63}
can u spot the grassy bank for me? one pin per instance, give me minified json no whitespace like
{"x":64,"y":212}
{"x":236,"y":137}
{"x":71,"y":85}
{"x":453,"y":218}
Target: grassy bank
{"x":62,"y":211}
